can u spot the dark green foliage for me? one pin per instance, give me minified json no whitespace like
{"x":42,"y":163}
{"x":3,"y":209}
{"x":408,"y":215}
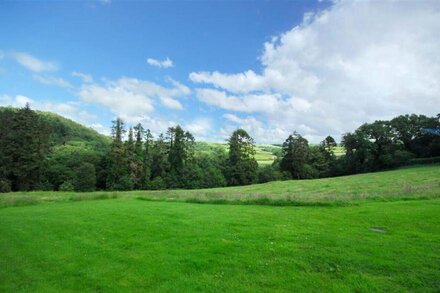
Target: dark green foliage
{"x":242,"y":166}
{"x":268,"y":173}
{"x":85,"y":177}
{"x":160,"y":163}
{"x":295,"y":156}
{"x":206,"y":171}
{"x":66,"y":186}
{"x":5,"y":185}
{"x":376,"y":146}
{"x":157,"y":183}
{"x":407,"y":129}
{"x":43,"y":151}
{"x":65,"y":159}
{"x":24,"y":143}
{"x":118,"y":172}
{"x":180,"y":157}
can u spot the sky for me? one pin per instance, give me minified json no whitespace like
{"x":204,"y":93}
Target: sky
{"x":271,"y":67}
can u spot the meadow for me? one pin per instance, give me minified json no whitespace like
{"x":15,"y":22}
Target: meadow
{"x":362,"y":233}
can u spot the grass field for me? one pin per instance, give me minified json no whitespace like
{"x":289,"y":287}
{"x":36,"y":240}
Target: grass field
{"x":264,"y":154}
{"x":363,"y":233}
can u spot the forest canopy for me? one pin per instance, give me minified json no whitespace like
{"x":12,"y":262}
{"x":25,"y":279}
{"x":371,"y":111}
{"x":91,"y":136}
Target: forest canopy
{"x":44,"y":151}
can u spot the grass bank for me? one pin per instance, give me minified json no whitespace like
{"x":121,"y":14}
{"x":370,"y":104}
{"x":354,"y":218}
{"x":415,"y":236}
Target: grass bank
{"x":411,"y":183}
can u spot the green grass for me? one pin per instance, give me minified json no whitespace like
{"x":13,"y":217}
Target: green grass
{"x":418,"y":182}
{"x":363,"y":233}
{"x":127,"y":245}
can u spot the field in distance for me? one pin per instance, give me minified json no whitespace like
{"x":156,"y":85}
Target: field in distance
{"x":265,"y":153}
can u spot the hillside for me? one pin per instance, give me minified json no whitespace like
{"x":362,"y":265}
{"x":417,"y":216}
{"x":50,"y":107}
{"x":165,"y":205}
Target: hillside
{"x":417,"y":182}
{"x":65,"y":131}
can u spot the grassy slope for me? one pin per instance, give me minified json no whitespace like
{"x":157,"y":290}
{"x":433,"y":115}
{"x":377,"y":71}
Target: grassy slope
{"x":128,"y":244}
{"x":132,"y":245}
{"x":406,"y":183}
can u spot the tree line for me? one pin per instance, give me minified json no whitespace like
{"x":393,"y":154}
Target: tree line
{"x":135,"y":160}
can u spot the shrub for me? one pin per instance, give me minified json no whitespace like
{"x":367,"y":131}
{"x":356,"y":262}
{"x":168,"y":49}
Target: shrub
{"x":157,"y":183}
{"x":66,"y":186}
{"x":5,"y":185}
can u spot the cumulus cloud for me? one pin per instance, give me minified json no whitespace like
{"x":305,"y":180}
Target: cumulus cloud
{"x":32,"y":63}
{"x":133,"y":99}
{"x":354,"y":62}
{"x":167,"y":63}
{"x":201,"y":128}
{"x":87,"y":78}
{"x":51,"y":80}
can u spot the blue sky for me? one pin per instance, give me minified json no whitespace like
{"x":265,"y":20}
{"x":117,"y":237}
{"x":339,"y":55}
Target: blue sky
{"x":271,"y":67}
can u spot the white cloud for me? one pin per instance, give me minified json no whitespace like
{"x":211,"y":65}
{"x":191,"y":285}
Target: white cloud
{"x":133,"y":99}
{"x":87,"y":78}
{"x":167,"y":63}
{"x":32,"y":63}
{"x":51,"y":80}
{"x":352,"y":63}
{"x":201,"y":128}
{"x":171,"y":103}
{"x":21,"y":101}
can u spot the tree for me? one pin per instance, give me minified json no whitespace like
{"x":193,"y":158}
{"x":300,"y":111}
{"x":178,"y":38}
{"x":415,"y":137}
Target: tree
{"x":408,"y":130}
{"x":85,"y":177}
{"x":24,"y":143}
{"x":242,"y":166}
{"x":147,"y":158}
{"x":118,"y":175}
{"x":180,"y":156}
{"x":137,"y":159}
{"x":295,"y":156}
{"x":160,"y":164}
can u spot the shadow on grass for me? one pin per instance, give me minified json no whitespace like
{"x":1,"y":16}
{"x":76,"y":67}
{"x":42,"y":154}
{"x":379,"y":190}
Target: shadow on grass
{"x":93,"y":196}
{"x":256,"y":201}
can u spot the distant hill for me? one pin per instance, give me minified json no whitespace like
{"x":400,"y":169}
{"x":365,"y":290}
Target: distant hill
{"x":65,"y":131}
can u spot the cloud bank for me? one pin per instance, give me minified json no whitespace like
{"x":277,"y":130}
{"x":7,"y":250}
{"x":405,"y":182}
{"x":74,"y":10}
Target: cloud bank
{"x":355,"y":62}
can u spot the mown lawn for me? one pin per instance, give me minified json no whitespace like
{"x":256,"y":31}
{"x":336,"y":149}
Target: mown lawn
{"x":134,"y":245}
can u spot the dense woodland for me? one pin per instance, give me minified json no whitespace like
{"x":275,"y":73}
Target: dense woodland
{"x":43,"y":151}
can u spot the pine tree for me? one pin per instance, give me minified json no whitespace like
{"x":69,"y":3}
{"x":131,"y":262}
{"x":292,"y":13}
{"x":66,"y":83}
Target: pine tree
{"x":180,"y":155}
{"x":24,"y":149}
{"x":137,"y":159}
{"x":118,"y":175}
{"x":147,"y":159}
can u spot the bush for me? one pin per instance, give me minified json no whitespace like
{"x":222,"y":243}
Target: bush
{"x":157,"y":183}
{"x":66,"y":186}
{"x":268,"y":173}
{"x":5,"y":185}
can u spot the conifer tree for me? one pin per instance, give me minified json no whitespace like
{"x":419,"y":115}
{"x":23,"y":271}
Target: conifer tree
{"x":118,"y":175}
